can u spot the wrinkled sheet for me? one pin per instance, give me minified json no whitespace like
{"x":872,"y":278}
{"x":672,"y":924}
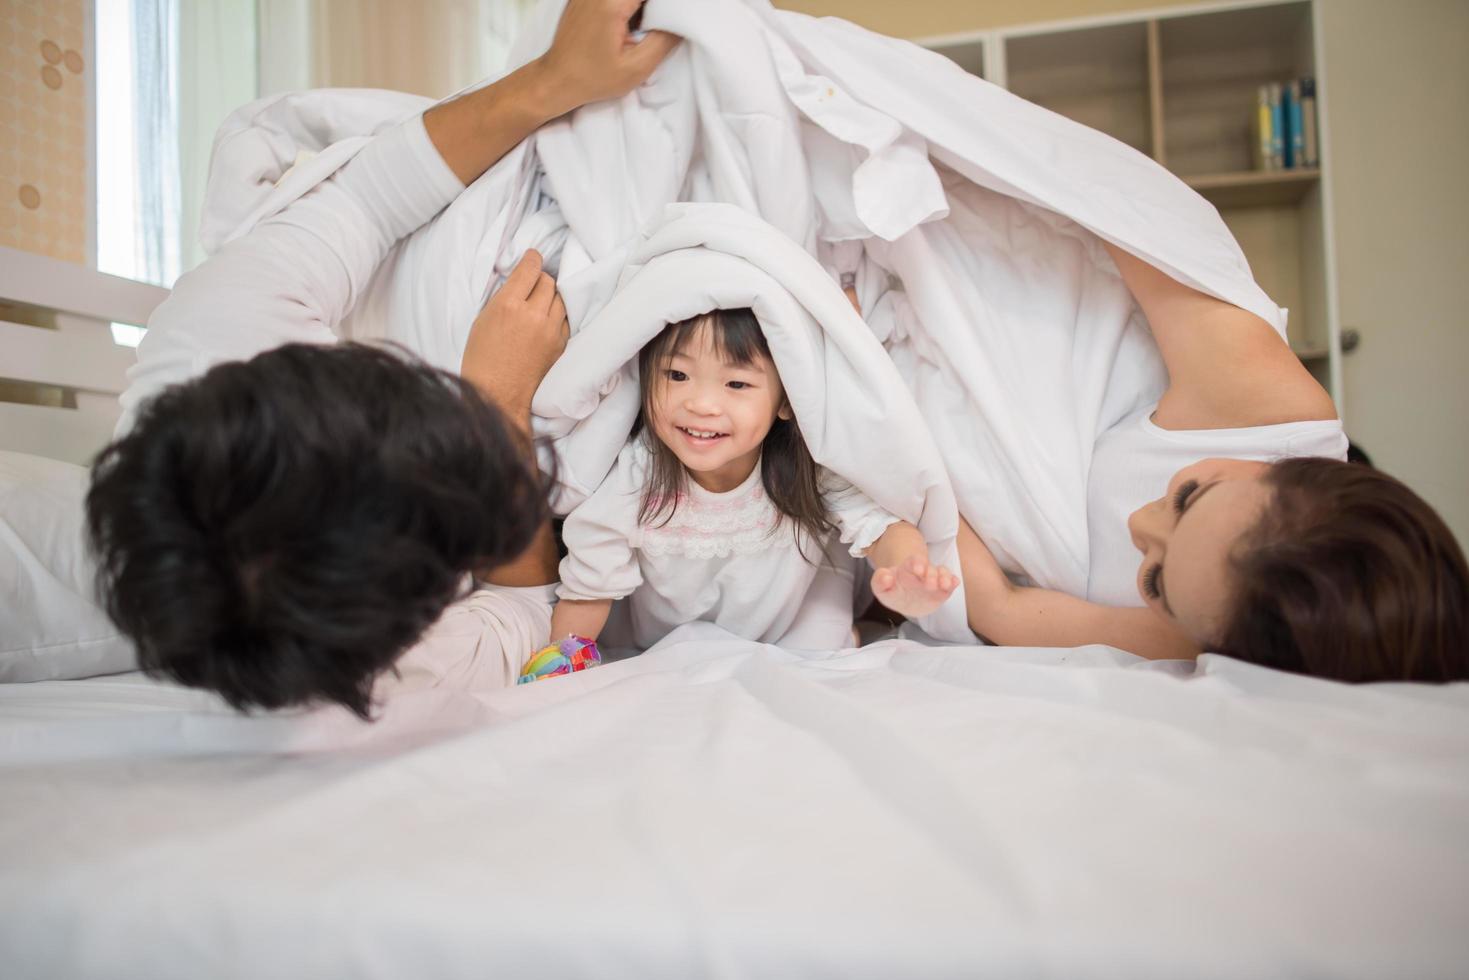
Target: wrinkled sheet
{"x":720,"y":808}
{"x":971,"y":219}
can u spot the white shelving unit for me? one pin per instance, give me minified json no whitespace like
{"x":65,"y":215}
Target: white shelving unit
{"x":1180,"y":85}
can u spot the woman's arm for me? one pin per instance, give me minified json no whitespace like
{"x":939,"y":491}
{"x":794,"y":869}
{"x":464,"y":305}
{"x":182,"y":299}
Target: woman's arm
{"x":1012,"y":615}
{"x":1227,"y":368}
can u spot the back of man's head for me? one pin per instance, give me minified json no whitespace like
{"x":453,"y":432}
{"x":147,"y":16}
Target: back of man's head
{"x":281,"y":529}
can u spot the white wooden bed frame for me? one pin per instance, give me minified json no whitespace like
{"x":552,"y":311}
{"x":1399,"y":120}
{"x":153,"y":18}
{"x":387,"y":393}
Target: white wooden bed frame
{"x":78,"y":356}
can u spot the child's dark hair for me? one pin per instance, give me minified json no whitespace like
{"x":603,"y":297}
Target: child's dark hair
{"x":790,"y":475}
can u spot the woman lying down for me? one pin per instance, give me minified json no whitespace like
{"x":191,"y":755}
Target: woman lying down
{"x":1307,"y":564}
{"x":715,"y":511}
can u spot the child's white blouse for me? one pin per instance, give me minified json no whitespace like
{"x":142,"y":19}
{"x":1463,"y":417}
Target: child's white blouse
{"x":725,"y":558}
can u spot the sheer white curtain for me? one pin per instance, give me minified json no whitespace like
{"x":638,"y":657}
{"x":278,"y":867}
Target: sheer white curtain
{"x":217,"y":74}
{"x":137,"y":139}
{"x":169,"y":71}
{"x":156,"y":126}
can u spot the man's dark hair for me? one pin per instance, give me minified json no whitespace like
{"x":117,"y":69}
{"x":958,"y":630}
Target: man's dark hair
{"x":281,"y":529}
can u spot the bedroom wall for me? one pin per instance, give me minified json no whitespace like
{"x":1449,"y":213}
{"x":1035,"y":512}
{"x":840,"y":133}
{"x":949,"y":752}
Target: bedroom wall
{"x":44,"y":80}
{"x":930,"y":17}
{"x":1398,"y":140}
{"x":430,"y":48}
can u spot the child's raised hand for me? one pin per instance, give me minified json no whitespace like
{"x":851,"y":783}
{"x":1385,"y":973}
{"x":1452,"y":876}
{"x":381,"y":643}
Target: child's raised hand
{"x":916,"y":587}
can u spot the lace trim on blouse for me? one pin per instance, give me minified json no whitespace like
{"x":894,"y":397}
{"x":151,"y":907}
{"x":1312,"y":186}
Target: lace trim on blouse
{"x":738,"y":523}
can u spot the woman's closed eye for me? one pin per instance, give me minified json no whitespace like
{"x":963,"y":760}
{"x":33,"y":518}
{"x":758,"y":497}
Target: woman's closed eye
{"x":1182,"y":496}
{"x":1150,"y":582}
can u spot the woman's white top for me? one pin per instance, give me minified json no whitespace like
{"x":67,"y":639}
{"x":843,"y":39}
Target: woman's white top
{"x":726,"y":558}
{"x":1133,"y":462}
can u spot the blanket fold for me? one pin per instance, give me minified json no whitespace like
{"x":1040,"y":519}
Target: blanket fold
{"x":971,"y":221}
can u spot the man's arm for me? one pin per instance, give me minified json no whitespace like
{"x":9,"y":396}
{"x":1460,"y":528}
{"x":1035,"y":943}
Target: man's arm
{"x":294,"y":276}
{"x":1012,"y":615}
{"x":592,"y":58}
{"x":523,"y":328}
{"x":513,"y":343}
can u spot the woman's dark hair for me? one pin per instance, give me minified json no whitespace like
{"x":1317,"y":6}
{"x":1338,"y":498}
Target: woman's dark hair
{"x":281,"y":529}
{"x":1350,"y":575}
{"x":791,"y":477}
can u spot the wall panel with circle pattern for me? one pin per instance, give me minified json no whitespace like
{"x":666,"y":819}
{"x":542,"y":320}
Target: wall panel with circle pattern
{"x":44,"y":81}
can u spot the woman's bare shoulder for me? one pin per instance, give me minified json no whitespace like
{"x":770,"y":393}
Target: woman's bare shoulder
{"x":1227,"y":368}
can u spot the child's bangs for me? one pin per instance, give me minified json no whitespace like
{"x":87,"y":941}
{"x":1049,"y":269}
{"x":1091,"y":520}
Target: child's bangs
{"x":735,"y":335}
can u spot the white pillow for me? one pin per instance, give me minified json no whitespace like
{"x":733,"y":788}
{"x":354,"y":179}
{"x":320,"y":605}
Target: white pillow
{"x":51,"y":627}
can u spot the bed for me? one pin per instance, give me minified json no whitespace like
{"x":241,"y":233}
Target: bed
{"x":719,"y":808}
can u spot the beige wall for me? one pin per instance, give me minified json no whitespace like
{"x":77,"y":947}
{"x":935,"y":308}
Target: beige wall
{"x":429,"y":48}
{"x":925,"y":18}
{"x":44,"y":80}
{"x":1399,"y":142}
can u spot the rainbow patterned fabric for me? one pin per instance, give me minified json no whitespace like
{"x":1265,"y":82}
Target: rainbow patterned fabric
{"x":563,"y":657}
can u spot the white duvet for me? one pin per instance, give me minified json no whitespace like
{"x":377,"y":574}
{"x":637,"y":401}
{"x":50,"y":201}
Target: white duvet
{"x":971,"y":219}
{"x":716,"y":808}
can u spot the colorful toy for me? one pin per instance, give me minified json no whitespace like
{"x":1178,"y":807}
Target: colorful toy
{"x":562,"y":657}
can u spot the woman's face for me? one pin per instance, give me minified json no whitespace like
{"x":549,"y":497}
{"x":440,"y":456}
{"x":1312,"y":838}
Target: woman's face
{"x":1187,"y":536}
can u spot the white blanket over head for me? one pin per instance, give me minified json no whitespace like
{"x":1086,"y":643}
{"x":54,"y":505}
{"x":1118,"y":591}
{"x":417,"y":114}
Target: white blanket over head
{"x":854,"y":410}
{"x":971,"y":218}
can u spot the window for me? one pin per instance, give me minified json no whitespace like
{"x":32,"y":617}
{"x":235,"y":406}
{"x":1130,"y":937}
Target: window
{"x":168,"y":72}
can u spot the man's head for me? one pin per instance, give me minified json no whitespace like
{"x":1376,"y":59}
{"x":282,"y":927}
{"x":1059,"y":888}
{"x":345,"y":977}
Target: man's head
{"x":281,"y":529}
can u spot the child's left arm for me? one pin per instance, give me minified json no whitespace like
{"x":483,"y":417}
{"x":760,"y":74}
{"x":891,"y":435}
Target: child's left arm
{"x":904,"y":579}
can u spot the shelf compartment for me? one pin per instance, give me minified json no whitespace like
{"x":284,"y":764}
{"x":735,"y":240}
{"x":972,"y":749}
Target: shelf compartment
{"x":1213,"y":66}
{"x":1097,"y":76}
{"x":1255,"y":188}
{"x":968,"y":55}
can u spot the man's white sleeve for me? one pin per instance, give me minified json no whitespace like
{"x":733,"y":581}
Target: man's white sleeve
{"x":480,"y":642}
{"x":293,"y":277}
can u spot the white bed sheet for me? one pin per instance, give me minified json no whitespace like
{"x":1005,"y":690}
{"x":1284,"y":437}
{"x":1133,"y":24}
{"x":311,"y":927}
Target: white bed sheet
{"x":719,"y":808}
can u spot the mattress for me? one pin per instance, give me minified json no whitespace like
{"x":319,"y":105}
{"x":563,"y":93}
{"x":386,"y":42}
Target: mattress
{"x":719,"y":808}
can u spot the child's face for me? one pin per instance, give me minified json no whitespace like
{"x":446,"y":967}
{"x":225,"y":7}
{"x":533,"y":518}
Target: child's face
{"x":714,"y":415}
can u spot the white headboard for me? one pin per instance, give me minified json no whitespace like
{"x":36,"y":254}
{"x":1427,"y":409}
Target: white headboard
{"x":56,"y":333}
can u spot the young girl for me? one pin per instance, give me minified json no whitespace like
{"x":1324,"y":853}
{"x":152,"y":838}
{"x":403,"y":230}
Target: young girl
{"x":716,"y":511}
